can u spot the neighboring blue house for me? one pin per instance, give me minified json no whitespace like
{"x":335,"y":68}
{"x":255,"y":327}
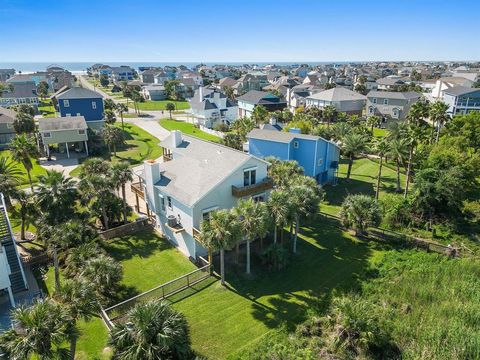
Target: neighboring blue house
{"x":461,"y":100}
{"x":318,"y":157}
{"x":78,"y":101}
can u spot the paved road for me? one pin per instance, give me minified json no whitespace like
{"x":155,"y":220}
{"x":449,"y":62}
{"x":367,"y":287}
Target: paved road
{"x":151,"y":126}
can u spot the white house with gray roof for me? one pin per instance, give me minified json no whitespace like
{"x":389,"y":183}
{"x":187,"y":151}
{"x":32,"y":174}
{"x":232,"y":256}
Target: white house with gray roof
{"x":462,"y":99}
{"x":211,"y":107}
{"x":198,"y":178}
{"x":343,"y":99}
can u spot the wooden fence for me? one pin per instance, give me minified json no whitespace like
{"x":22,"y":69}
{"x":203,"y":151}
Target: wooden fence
{"x":125,"y":229}
{"x":383,"y":234}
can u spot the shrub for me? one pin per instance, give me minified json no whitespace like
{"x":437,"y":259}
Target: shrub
{"x":221,"y":127}
{"x":275,"y":257}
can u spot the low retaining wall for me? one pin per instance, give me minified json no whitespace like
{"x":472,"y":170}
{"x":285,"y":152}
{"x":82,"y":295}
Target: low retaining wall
{"x":126,"y":229}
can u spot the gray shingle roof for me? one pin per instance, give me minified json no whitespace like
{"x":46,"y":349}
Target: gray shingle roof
{"x":200,"y":166}
{"x":79,"y":93}
{"x":279,"y":136}
{"x":408,"y":95}
{"x":257,"y":97}
{"x":21,"y":90}
{"x":7,"y":116}
{"x":460,"y":90}
{"x":62,"y":123}
{"x":338,"y":94}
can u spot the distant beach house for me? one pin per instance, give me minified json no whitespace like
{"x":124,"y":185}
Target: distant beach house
{"x":462,"y":100}
{"x":391,"y":104}
{"x":198,"y":178}
{"x":79,"y":101}
{"x":20,"y":93}
{"x":344,"y":100}
{"x":7,"y":133}
{"x":318,"y":157}
{"x":211,"y":107}
{"x":253,"y":98}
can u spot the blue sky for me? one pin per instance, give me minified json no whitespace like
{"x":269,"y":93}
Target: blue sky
{"x":228,"y":31}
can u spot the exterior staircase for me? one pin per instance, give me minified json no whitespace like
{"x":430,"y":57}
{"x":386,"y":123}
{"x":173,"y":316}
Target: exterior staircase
{"x":17,"y":279}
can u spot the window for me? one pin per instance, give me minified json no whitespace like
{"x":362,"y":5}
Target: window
{"x":94,"y":104}
{"x":47,"y":135}
{"x":319,"y":162}
{"x":162,"y":202}
{"x":385,"y":101}
{"x":81,"y":132}
{"x":374,"y":100}
{"x":78,"y":114}
{"x":169,"y":201}
{"x":9,"y":125}
{"x":249,"y":177}
{"x":371,"y":110}
{"x":68,"y":114}
{"x":395,"y":112}
{"x":207,"y":212}
{"x":66,"y":103}
{"x":295,"y":144}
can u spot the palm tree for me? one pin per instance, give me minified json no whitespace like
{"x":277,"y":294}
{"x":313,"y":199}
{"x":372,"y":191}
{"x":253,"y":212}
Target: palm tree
{"x":55,"y":196}
{"x":305,"y":195}
{"x":398,"y":152}
{"x":26,"y":211}
{"x":259,"y":114}
{"x":359,"y":212}
{"x":39,"y":331}
{"x":373,"y":121}
{"x":104,"y":273}
{"x":413,"y":135}
{"x":329,"y":113}
{"x":10,"y":176}
{"x":283,"y":171}
{"x":438,"y":115}
{"x":113,"y":136}
{"x":353,"y":144}
{"x":220,"y":232}
{"x":170,"y":107}
{"x":23,"y":149}
{"x":122,"y":108}
{"x":79,"y":298}
{"x":152,"y":331}
{"x":382,"y":148}
{"x":121,"y":174}
{"x":253,"y":219}
{"x":279,"y":209}
{"x":95,"y":190}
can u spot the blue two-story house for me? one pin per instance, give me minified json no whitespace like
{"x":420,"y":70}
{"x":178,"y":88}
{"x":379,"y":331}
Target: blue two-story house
{"x":318,"y":157}
{"x":79,"y":101}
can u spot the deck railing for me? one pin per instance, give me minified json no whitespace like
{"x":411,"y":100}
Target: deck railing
{"x":241,"y":191}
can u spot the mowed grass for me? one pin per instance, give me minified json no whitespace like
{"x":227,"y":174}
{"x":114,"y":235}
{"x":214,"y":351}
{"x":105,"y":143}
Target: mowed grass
{"x":161,"y":105}
{"x":363,"y":179}
{"x":139,"y":146}
{"x":36,"y":171}
{"x":147,"y":261}
{"x":226,"y":322}
{"x":46,"y":108}
{"x":188,"y":129}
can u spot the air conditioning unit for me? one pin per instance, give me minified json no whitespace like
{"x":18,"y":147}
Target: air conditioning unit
{"x":172,"y":221}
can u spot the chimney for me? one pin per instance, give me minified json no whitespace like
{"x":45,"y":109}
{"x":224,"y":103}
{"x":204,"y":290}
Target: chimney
{"x":200,"y":92}
{"x":151,"y":170}
{"x":176,"y":138}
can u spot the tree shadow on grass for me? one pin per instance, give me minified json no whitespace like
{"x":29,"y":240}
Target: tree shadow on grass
{"x":142,"y":244}
{"x":328,"y":261}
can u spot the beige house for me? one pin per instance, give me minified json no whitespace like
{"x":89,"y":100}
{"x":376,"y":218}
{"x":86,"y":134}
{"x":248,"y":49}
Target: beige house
{"x":68,"y":133}
{"x":344,"y":100}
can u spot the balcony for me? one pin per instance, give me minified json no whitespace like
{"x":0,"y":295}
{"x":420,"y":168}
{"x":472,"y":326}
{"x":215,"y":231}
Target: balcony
{"x":137,"y":189}
{"x":196,"y":234}
{"x":242,"y":191}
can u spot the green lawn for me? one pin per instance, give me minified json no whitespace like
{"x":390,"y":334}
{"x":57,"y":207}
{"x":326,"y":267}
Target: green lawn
{"x":147,"y":261}
{"x":187,"y":128}
{"x":47,"y":109}
{"x":377,"y":132}
{"x":160,"y":105}
{"x":36,"y":171}
{"x":139,"y":146}
{"x":362,"y":180}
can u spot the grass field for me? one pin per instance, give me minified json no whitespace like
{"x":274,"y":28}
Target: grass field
{"x":362,"y":180}
{"x":160,"y":105}
{"x":36,"y":171}
{"x":46,"y":108}
{"x":147,"y":261}
{"x":188,"y":129}
{"x":139,"y":146}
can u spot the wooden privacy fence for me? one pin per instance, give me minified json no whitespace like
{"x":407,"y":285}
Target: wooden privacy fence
{"x":393,"y":236}
{"x":117,"y":312}
{"x":125,"y":229}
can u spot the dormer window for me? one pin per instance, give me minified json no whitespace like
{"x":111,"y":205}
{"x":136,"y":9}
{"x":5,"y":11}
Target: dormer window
{"x":374,"y":100}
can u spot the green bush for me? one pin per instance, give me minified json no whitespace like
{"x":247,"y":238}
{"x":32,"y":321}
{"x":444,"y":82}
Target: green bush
{"x":275,"y":257}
